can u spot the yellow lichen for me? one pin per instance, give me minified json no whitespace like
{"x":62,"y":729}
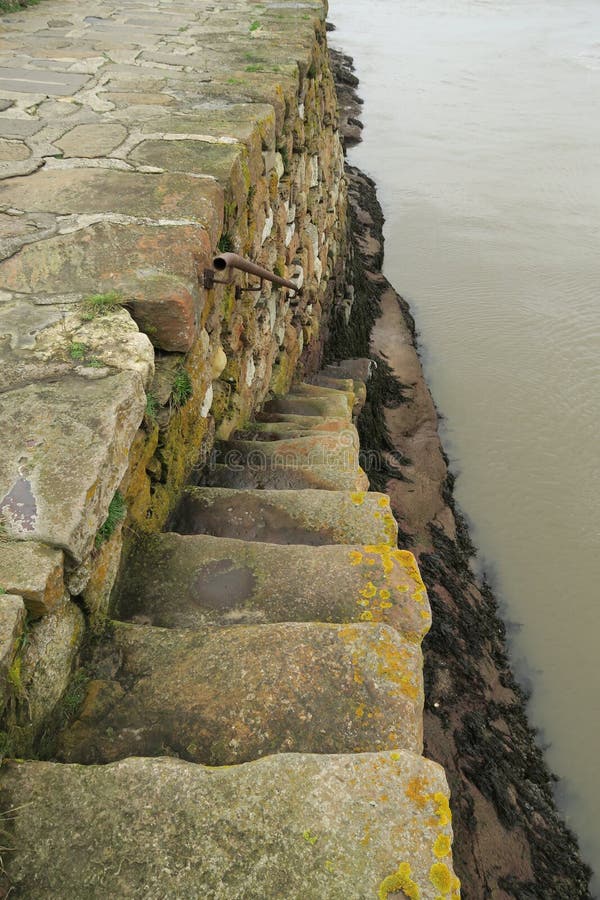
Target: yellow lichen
{"x":441,"y":877}
{"x":400,"y":880}
{"x":442,"y":845}
{"x":369,"y":591}
{"x":383,"y":502}
{"x":358,"y":497}
{"x":355,"y":557}
{"x":443,"y":809}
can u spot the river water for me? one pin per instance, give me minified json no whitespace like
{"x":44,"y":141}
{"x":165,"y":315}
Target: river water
{"x":482,"y":131}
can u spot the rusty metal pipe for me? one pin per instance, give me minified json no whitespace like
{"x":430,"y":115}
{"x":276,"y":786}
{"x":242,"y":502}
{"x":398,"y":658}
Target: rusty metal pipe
{"x":234,"y":261}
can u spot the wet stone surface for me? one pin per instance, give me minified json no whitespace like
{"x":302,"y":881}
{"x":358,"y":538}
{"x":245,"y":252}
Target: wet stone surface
{"x":175,"y":580}
{"x":287,"y":517}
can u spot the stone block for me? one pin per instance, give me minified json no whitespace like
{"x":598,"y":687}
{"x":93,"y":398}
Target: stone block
{"x":66,"y":446}
{"x":217,"y":696}
{"x":173,"y":197}
{"x":12,"y":623}
{"x":53,"y":644}
{"x":34,"y":572}
{"x":293,"y":825}
{"x":185,"y":581}
{"x":287,"y":517}
{"x":154,"y":269}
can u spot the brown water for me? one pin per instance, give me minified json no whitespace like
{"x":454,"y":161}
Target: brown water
{"x":482,"y":130}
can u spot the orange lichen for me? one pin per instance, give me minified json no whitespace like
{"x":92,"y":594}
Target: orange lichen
{"x":416,"y":790}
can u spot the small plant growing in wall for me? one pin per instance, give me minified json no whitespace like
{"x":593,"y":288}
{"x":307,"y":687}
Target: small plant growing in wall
{"x":151,"y":407}
{"x":74,"y":695}
{"x":99,"y":304}
{"x":225,"y":243}
{"x":181,"y":390}
{"x":77,"y":350}
{"x":117,"y":511}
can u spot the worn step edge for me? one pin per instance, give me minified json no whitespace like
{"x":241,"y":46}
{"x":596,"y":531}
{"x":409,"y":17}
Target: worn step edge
{"x":189,"y":581}
{"x":225,"y":695}
{"x":287,"y":517}
{"x":274,"y":477}
{"x":293,"y":826}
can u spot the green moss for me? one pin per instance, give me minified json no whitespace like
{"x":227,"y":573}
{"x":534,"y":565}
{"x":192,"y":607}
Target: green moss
{"x":285,"y":157}
{"x":254,"y":25}
{"x":7,"y":747}
{"x":117,"y":511}
{"x":94,"y":363}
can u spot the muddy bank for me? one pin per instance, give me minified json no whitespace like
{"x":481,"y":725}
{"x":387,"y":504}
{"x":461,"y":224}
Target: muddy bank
{"x":509,"y":839}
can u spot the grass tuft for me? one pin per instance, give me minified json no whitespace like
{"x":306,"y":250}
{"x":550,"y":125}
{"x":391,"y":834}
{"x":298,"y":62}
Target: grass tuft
{"x":77,"y":350}
{"x":181,"y":390}
{"x":151,"y":407}
{"x":117,"y":511}
{"x":225,"y":244}
{"x":99,"y":304}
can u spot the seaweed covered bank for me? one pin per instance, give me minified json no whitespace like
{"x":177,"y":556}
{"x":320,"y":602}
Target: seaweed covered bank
{"x":509,"y":839}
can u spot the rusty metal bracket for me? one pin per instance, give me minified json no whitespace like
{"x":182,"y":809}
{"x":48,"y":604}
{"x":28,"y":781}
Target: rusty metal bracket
{"x":232,"y":261}
{"x":209,"y":279}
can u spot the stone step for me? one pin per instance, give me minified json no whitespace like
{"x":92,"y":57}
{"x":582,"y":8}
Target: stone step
{"x":278,"y":431}
{"x":336,"y":405}
{"x":312,"y":423}
{"x":335,"y":451}
{"x":358,"y":388}
{"x":304,"y":389}
{"x":329,"y":381}
{"x":227,"y":695}
{"x":287,"y":517}
{"x":275,"y":477}
{"x":186,"y":581}
{"x":289,"y":826}
{"x":359,"y":368}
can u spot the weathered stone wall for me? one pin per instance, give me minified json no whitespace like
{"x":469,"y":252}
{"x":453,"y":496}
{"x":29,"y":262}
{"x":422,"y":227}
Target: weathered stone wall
{"x":151,"y":141}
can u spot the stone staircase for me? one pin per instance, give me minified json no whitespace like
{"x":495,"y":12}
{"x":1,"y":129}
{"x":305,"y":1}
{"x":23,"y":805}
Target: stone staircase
{"x":252,"y":722}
